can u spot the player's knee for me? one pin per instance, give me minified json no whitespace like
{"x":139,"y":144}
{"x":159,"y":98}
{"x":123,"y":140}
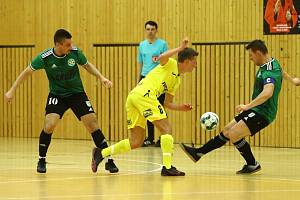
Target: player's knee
{"x":136,"y":142}
{"x":165,"y":130}
{"x":229,"y":133}
{"x":49,"y":127}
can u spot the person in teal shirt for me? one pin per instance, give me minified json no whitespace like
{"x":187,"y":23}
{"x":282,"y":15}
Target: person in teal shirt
{"x":65,"y":91}
{"x":148,"y":52}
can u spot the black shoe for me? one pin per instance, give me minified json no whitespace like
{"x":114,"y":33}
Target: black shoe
{"x":147,"y":143}
{"x":191,"y":152}
{"x":110,"y":166}
{"x":249,"y":169}
{"x":171,"y":172}
{"x":157,"y":144}
{"x":96,"y":159}
{"x":41,"y":166}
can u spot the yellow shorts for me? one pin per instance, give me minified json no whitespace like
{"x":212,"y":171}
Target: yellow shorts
{"x":140,"y":109}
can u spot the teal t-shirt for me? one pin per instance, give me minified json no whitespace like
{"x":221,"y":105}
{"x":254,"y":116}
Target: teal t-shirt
{"x":268,"y":73}
{"x":62,"y":72}
{"x":147,"y":52}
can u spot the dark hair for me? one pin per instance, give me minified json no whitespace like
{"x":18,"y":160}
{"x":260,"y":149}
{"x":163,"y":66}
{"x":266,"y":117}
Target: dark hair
{"x":60,"y":35}
{"x":151,"y":23}
{"x":257,"y":45}
{"x":187,"y":53}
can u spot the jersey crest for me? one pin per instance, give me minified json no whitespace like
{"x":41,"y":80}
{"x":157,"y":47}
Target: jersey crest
{"x":71,"y":62}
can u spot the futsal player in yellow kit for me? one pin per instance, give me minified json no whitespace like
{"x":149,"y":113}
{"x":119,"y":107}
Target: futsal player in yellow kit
{"x":142,"y":105}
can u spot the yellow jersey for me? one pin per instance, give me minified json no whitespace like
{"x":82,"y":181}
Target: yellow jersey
{"x":160,"y":80}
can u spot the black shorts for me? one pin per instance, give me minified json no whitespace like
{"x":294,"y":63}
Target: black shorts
{"x":79,"y":103}
{"x":254,"y":121}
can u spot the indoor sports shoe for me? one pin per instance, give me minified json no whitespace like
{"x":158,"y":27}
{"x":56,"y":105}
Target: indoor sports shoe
{"x":191,"y":152}
{"x":96,"y":159}
{"x":111,"y":166}
{"x":41,"y":166}
{"x":171,"y":172}
{"x":249,"y":169}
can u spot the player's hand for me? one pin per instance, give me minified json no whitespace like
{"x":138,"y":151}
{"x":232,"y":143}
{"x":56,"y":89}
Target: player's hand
{"x":184,"y":43}
{"x":8,"y":96}
{"x":106,"y":83}
{"x":296,"y":81}
{"x":186,"y":107}
{"x":241,"y":108}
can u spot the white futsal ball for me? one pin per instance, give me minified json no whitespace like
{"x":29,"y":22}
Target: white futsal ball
{"x":209,"y":121}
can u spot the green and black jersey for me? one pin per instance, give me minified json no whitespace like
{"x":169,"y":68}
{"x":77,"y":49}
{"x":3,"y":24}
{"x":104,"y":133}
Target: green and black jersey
{"x":268,"y":73}
{"x":62,"y":72}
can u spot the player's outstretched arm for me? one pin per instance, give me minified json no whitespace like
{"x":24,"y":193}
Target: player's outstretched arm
{"x":94,"y":71}
{"x":295,"y":81}
{"x":9,"y":95}
{"x":173,"y":106}
{"x":163,"y":58}
{"x":260,"y":99}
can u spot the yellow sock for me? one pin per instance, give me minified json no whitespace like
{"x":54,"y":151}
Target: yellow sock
{"x":120,"y":147}
{"x":167,"y":148}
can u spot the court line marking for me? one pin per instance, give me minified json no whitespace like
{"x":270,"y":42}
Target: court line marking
{"x":92,"y":176}
{"x":151,"y":194}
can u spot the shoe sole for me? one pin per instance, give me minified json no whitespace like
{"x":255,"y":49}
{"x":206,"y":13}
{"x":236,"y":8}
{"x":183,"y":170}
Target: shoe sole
{"x":116,"y":170}
{"x":172,"y":175}
{"x":41,"y":172}
{"x":250,"y":172}
{"x":112,"y":171}
{"x":187,"y":153}
{"x":93,"y":164}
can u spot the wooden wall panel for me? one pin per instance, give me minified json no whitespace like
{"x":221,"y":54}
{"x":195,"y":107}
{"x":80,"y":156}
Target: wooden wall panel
{"x":118,"y":21}
{"x":15,"y":117}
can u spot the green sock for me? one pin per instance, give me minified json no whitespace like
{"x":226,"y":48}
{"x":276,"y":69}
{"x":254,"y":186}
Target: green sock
{"x":167,"y":148}
{"x":120,"y":147}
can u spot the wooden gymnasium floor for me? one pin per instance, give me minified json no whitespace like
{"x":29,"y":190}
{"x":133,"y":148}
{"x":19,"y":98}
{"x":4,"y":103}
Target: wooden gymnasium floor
{"x":213,"y":177}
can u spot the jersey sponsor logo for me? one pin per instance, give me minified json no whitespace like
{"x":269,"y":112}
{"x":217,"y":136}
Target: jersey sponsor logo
{"x":129,"y":122}
{"x":54,"y":66}
{"x":147,"y":113}
{"x":88,"y":103}
{"x":65,"y":76}
{"x":259,"y":74}
{"x":47,"y":53}
{"x":154,"y":59}
{"x":71,"y":62}
{"x":147,"y":94}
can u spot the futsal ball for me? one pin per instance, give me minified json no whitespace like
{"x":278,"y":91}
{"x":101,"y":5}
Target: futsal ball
{"x":209,"y":121}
